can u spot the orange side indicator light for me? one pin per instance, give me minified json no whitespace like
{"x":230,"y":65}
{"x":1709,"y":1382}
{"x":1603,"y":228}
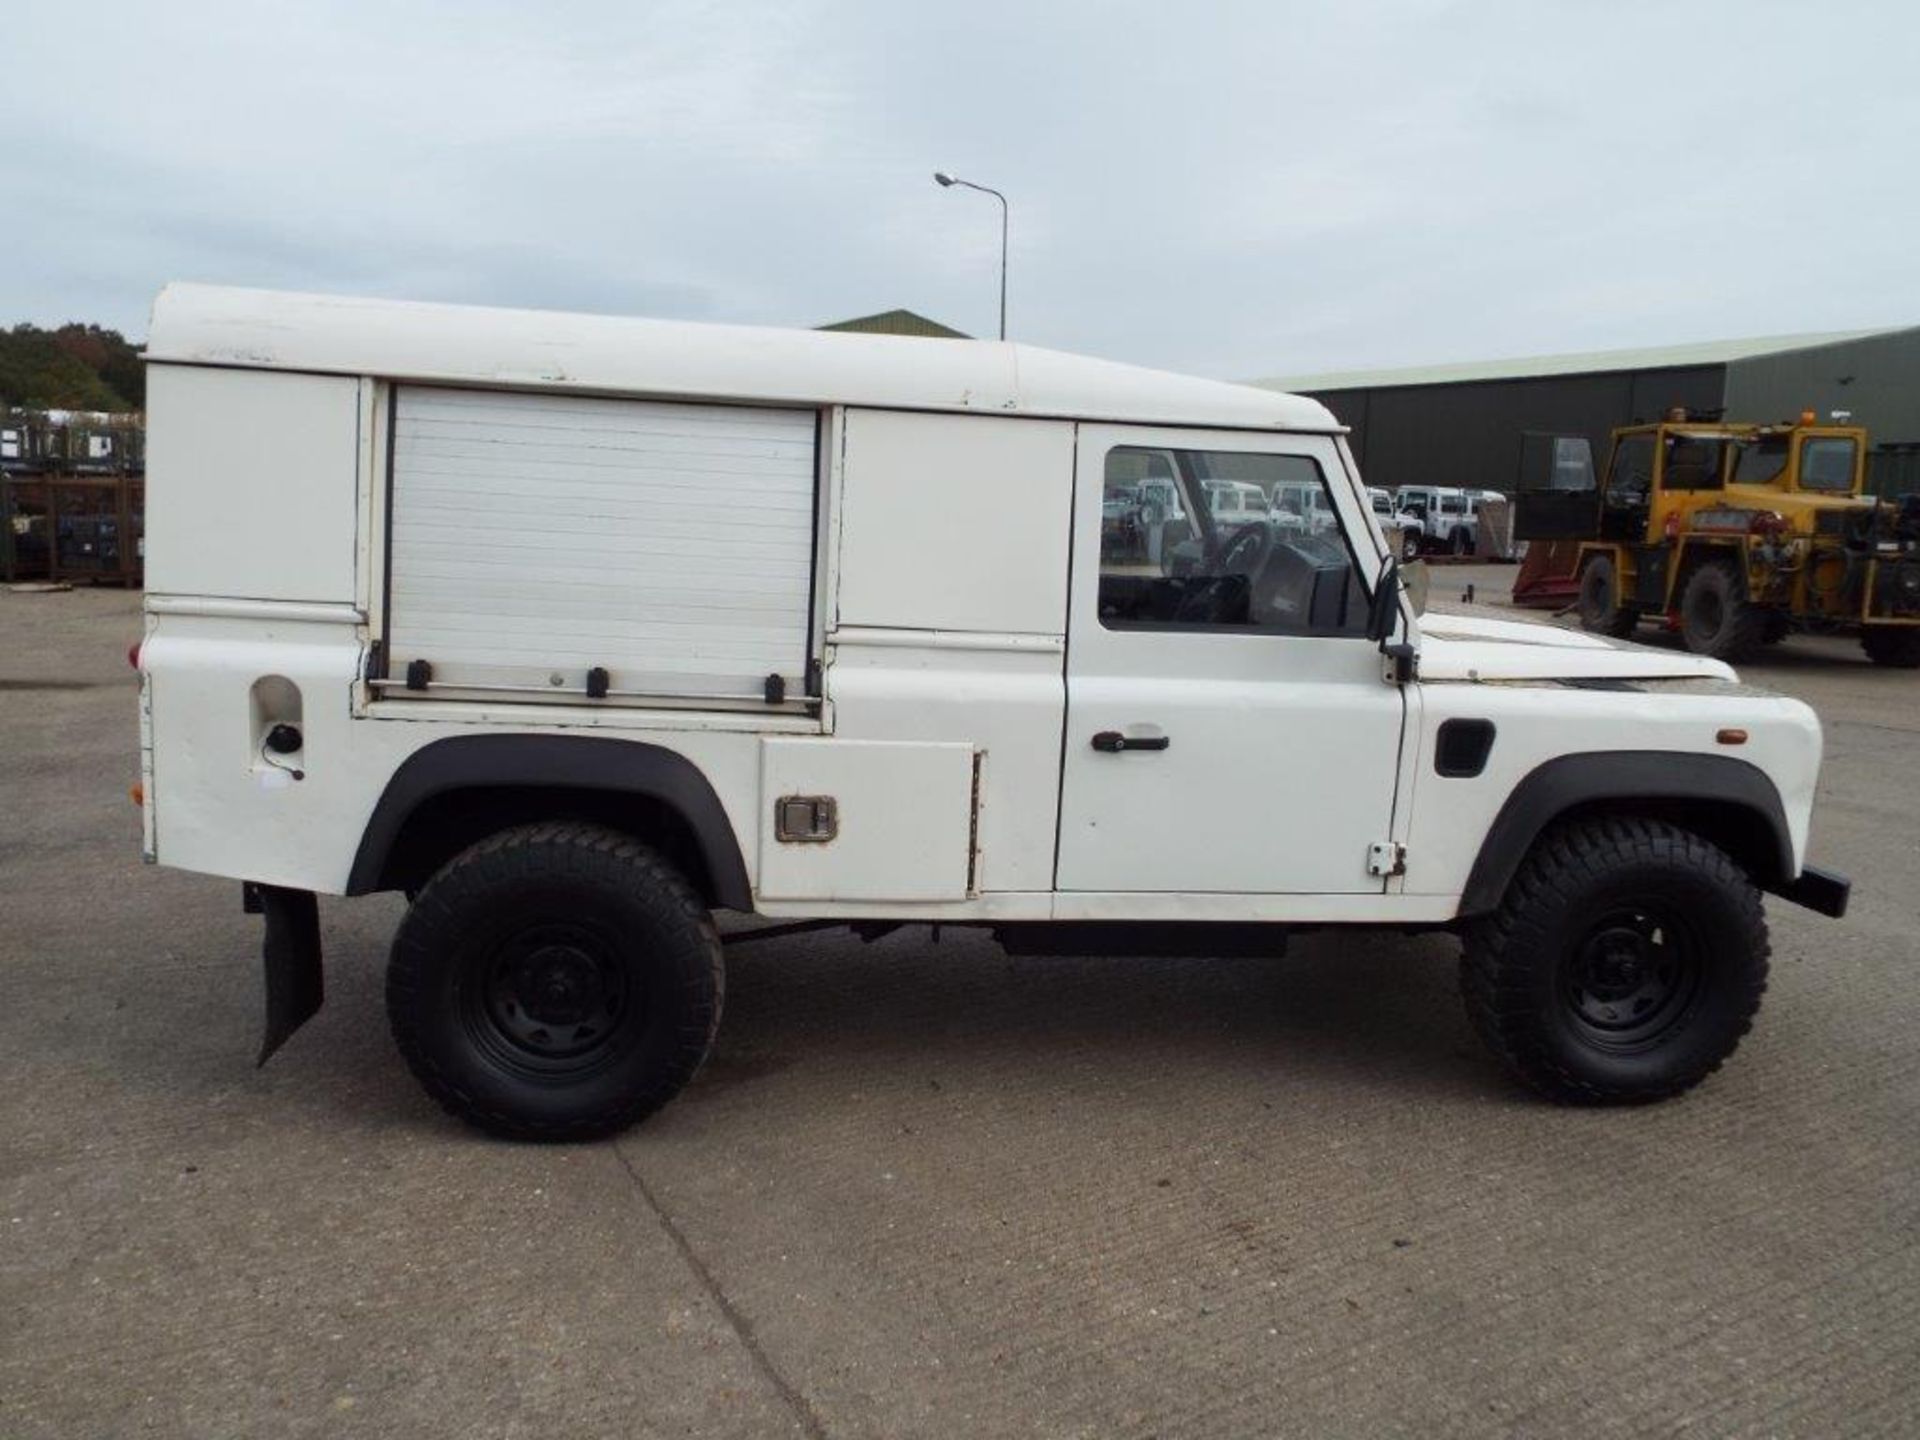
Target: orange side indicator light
{"x":1731,"y":737}
{"x":137,"y":793}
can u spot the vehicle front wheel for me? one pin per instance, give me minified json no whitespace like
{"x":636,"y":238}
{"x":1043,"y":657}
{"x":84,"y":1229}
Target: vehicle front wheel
{"x":1410,"y":545}
{"x":1624,"y":965}
{"x":1716,"y":617}
{"x":1600,"y":607}
{"x":1895,"y":646}
{"x":555,"y":982}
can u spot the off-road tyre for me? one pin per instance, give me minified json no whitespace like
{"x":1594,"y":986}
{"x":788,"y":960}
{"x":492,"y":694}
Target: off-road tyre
{"x":1410,"y":545}
{"x":1599,"y":604}
{"x":1460,"y":543}
{"x":1624,"y":965}
{"x":1895,"y":646}
{"x":1716,"y":618}
{"x":555,"y":982}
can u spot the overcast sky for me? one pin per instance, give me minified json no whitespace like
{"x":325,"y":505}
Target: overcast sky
{"x":1240,"y":190}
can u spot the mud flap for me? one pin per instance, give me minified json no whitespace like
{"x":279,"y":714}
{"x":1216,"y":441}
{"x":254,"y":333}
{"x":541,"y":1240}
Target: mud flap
{"x":291,"y":956}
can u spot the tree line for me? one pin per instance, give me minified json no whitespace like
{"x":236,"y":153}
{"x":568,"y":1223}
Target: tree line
{"x":76,"y":367}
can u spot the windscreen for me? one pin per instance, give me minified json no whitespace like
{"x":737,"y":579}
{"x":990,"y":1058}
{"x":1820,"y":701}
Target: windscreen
{"x":1760,"y":462}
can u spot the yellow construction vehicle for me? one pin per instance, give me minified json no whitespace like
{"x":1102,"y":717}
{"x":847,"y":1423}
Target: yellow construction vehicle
{"x":1732,"y":535}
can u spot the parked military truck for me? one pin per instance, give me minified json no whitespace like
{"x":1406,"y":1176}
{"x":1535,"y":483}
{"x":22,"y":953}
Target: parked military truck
{"x":1732,"y":535}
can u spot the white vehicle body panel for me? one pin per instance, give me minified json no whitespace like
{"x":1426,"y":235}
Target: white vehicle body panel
{"x":1003,"y":694}
{"x":219,"y":804}
{"x":1539,"y":722}
{"x":955,"y":523}
{"x":1459,"y":647}
{"x":931,"y":513}
{"x":226,"y":440}
{"x":887,"y":850}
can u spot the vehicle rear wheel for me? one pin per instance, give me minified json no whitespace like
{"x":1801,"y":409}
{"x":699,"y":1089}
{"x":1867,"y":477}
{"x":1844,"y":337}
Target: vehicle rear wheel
{"x":1895,"y":646}
{"x":1624,"y":965}
{"x":1600,"y":607}
{"x":1460,"y":543}
{"x":1716,"y":618}
{"x":555,"y":982}
{"x":1410,"y":545}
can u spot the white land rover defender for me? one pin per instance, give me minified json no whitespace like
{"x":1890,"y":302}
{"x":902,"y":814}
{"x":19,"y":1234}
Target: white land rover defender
{"x":576,"y":630}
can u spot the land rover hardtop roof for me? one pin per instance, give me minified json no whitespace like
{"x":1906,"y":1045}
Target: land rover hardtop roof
{"x":597,"y":354}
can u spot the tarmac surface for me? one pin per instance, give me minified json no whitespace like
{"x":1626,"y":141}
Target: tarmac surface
{"x":924,"y":1189}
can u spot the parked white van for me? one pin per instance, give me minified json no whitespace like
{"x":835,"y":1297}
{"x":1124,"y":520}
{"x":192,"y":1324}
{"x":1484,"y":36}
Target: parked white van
{"x":1235,"y":502}
{"x":1393,"y":520}
{"x":1445,"y":513}
{"x":1303,"y":506}
{"x":575,"y":630}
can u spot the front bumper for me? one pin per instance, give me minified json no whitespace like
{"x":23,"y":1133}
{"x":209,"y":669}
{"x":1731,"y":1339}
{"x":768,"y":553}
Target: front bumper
{"x":1819,"y":890}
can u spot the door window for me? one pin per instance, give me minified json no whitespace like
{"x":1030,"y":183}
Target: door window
{"x":1630,"y":476}
{"x":1274,"y":560}
{"x":1826,"y":463}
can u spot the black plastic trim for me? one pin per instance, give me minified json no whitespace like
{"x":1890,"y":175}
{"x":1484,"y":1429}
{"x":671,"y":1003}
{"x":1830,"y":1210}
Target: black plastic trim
{"x":1201,"y":939}
{"x":1461,"y":748}
{"x":576,"y":762}
{"x":1821,"y":891}
{"x":1618,"y":778}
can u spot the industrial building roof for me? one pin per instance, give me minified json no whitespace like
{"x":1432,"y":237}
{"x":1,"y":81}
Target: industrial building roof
{"x":899,"y":322}
{"x":603,"y":354}
{"x":1707,"y":352}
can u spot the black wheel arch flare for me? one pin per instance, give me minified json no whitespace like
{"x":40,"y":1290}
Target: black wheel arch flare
{"x":1730,"y":802}
{"x":589,"y":765}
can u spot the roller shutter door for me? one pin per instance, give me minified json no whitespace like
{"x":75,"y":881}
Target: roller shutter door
{"x":537,"y":538}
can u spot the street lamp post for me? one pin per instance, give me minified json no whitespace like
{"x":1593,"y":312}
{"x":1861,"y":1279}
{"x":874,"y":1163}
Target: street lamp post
{"x":945,"y":179}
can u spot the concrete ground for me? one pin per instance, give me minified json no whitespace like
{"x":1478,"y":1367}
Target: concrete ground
{"x":927,"y":1190}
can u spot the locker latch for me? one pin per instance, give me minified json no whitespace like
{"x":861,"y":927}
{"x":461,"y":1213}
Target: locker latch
{"x":806,"y":819}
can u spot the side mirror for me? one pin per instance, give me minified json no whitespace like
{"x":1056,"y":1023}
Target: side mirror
{"x":1402,"y":658}
{"x":1417,"y":576}
{"x":1414,"y":577}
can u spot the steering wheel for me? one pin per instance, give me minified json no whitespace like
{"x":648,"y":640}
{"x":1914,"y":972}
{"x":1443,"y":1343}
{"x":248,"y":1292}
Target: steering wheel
{"x":1234,"y":578}
{"x":1247,"y":552}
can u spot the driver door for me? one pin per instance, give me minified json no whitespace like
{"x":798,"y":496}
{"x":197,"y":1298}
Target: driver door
{"x":1558,"y":497}
{"x":1228,"y":727}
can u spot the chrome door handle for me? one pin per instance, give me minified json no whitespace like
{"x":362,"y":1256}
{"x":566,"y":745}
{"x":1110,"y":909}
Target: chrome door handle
{"x":1112,"y":742}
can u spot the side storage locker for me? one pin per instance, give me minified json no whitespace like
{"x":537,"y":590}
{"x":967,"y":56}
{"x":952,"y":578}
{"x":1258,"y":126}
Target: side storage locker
{"x":550,"y":546}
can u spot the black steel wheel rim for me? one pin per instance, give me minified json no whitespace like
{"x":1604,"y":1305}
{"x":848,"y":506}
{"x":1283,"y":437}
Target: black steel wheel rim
{"x":552,"y":998}
{"x":1632,"y":977}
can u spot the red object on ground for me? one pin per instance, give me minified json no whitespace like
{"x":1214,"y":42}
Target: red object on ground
{"x":1547,"y":580}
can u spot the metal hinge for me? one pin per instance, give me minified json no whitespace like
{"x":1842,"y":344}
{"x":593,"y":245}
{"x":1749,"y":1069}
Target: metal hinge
{"x":1386,"y":857}
{"x":1399,"y":664}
